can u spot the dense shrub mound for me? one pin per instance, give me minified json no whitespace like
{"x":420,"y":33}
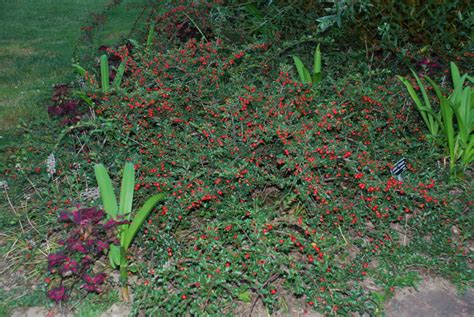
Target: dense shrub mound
{"x":275,"y":190}
{"x":274,"y":187}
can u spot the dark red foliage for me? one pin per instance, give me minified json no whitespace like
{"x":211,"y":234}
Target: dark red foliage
{"x":82,"y":216}
{"x":88,"y":240}
{"x":58,"y":294}
{"x":56,"y":259}
{"x":64,"y":105}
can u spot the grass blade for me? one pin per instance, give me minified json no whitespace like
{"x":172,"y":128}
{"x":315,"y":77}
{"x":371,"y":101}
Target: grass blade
{"x":104,"y":73}
{"x":140,"y":218}
{"x":106,"y":190}
{"x":126,"y":191}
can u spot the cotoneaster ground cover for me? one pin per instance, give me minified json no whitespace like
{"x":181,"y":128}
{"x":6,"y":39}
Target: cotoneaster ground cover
{"x":275,"y":189}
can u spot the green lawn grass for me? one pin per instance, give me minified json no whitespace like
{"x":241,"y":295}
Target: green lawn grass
{"x":37,"y":42}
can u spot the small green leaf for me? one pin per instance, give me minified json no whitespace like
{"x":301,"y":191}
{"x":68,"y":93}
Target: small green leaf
{"x":106,"y":191}
{"x":244,"y":296}
{"x":133,"y":268}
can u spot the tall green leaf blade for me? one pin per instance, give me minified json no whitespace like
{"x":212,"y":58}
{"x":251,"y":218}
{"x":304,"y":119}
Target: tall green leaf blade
{"x":455,"y":75}
{"x":317,"y":61}
{"x":151,"y":35}
{"x":126,"y":191}
{"x":419,"y":105}
{"x":433,"y":125}
{"x":468,"y":153}
{"x":104,"y":73}
{"x":447,"y":114}
{"x":463,"y":115}
{"x":115,"y":253}
{"x":456,"y":95}
{"x":119,"y":75}
{"x":85,"y":98}
{"x":300,"y":68}
{"x":139,"y":218}
{"x":448,"y":124}
{"x":106,"y":190}
{"x":317,"y":77}
{"x":79,"y":69}
{"x":307,"y":76}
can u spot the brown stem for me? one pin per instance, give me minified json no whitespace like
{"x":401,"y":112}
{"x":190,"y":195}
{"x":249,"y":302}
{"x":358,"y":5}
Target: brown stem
{"x":124,"y":294}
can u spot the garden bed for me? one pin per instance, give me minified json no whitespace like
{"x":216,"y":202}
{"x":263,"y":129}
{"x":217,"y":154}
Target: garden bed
{"x":279,"y":195}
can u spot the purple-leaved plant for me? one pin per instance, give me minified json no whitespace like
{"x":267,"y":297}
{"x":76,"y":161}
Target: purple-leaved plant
{"x":88,"y":240}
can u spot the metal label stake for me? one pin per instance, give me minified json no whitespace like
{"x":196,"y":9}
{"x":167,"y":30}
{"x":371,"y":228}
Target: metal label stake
{"x":399,"y":168}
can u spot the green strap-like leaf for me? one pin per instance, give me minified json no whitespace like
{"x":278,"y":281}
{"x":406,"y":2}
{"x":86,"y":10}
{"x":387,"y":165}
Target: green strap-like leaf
{"x":307,"y":76}
{"x":448,"y":125}
{"x":468,"y":153}
{"x":301,"y":69}
{"x":455,"y":75}
{"x":119,"y":75}
{"x":463,"y":115}
{"x":140,"y":218}
{"x":433,"y":126}
{"x":115,"y":255}
{"x":317,"y":77}
{"x":151,"y":35}
{"x":104,"y":73}
{"x":419,"y":104}
{"x":456,"y":95}
{"x":447,"y":114}
{"x":79,"y":69}
{"x":317,"y":61}
{"x":106,"y":190}
{"x":126,"y":191}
